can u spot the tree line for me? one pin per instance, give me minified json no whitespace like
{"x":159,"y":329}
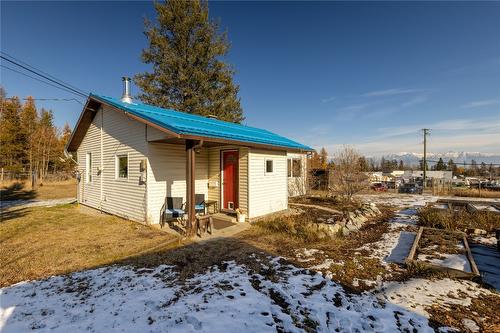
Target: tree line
{"x":320,"y":160}
{"x":30,"y":143}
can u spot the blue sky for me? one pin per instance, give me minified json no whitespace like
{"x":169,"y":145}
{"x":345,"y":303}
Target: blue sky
{"x":324,"y":73}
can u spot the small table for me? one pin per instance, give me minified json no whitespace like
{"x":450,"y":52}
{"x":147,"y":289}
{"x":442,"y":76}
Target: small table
{"x":204,"y":224}
{"x":211,"y":203}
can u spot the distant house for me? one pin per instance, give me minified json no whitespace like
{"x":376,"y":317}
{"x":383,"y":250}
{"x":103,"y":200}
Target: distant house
{"x":131,"y":156}
{"x":447,"y":175}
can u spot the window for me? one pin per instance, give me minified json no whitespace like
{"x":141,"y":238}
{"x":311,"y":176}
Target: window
{"x":88,"y":168}
{"x":289,"y":167}
{"x":294,"y":167}
{"x":297,"y":167}
{"x":121,"y":166}
{"x":269,"y":166}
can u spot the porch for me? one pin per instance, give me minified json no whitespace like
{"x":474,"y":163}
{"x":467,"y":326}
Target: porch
{"x":202,"y":178}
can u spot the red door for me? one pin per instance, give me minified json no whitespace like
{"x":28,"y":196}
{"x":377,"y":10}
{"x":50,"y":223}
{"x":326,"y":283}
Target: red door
{"x":230,"y":179}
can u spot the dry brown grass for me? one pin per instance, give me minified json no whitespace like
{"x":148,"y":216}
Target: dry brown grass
{"x":460,"y":219}
{"x":39,"y":242}
{"x":483,"y":311}
{"x":45,"y":191}
{"x":475,"y":193}
{"x":356,"y":264}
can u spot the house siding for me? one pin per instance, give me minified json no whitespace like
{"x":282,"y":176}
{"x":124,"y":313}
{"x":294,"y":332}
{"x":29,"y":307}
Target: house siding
{"x":167,"y":176}
{"x":110,"y":134}
{"x":268,"y":193}
{"x":298,"y":185}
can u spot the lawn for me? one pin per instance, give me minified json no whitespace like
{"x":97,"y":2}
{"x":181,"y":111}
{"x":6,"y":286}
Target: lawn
{"x":40,"y":242}
{"x":46,"y":191}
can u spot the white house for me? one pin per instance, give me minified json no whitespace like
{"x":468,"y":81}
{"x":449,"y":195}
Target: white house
{"x":131,"y":156}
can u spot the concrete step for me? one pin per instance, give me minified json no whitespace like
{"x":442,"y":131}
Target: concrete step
{"x":224,"y":217}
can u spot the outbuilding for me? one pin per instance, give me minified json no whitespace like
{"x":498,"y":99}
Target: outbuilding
{"x":132,"y":156}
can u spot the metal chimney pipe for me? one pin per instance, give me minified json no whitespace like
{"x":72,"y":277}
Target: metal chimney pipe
{"x":126,"y":90}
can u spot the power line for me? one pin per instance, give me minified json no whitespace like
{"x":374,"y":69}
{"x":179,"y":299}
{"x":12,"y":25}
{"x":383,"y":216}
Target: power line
{"x":41,"y":71}
{"x":50,"y":99}
{"x":44,"y":76}
{"x":37,"y":79}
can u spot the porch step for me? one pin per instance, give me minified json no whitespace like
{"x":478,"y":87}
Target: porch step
{"x":224,"y":217}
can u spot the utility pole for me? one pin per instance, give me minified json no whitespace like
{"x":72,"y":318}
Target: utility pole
{"x":426,"y":132}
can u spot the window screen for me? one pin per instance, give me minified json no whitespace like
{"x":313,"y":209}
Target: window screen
{"x":122,"y":166}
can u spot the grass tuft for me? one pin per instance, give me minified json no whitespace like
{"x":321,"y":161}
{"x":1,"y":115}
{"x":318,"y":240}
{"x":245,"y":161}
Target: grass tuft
{"x":460,"y":219}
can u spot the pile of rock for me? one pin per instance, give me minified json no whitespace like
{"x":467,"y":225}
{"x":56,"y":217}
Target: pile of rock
{"x":349,"y":221}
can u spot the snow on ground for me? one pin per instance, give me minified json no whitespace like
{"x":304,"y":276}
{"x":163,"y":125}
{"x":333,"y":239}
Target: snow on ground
{"x":5,"y":204}
{"x":231,"y":297}
{"x":416,"y":294}
{"x":395,"y":245}
{"x":221,"y":300}
{"x":455,"y":261}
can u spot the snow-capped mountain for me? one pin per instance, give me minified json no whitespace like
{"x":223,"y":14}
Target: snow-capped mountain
{"x":457,"y":157}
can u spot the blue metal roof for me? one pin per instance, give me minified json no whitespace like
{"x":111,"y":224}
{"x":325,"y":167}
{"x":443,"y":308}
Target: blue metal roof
{"x":189,"y":124}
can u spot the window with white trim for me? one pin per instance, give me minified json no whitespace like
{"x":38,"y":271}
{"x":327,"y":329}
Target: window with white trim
{"x":269,"y":166}
{"x":88,"y":167}
{"x":121,"y":167}
{"x":294,"y":167}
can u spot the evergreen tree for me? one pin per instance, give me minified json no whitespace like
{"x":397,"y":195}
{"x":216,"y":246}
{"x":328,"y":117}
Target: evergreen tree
{"x":29,"y":124}
{"x":11,"y":139}
{"x":363,"y":164}
{"x":188,"y":75}
{"x":323,"y":157}
{"x":440,"y":165}
{"x":474,"y":171}
{"x":401,"y":165}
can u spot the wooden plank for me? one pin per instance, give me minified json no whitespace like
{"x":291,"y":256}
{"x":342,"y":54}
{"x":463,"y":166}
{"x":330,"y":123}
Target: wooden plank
{"x":471,"y":259}
{"x":413,"y":249}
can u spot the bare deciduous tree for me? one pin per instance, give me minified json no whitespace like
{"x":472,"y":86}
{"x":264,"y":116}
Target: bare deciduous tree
{"x":347,"y":178}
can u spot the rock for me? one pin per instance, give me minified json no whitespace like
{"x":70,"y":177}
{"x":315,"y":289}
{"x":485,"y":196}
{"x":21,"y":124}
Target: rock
{"x":477,"y":231}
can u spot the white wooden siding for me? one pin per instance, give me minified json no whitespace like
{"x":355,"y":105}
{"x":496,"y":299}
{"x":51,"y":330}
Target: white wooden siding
{"x":267,"y":191}
{"x":297,"y":185}
{"x":120,"y":136}
{"x":167,"y":175}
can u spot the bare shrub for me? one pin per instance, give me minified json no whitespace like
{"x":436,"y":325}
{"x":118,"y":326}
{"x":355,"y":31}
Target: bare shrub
{"x":347,"y":177}
{"x":458,"y":219}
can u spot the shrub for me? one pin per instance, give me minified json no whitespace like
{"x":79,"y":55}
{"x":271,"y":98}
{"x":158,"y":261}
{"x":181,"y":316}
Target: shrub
{"x":301,"y":227}
{"x":460,"y":219}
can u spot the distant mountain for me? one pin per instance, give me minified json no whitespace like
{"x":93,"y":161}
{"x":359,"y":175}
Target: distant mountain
{"x":457,"y":157}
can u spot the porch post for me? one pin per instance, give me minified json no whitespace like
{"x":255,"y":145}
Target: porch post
{"x":190,"y":183}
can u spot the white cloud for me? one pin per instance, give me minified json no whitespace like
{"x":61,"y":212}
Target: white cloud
{"x":328,"y":99}
{"x":481,"y":103}
{"x":390,"y":92}
{"x":452,"y":135}
{"x":414,"y":101}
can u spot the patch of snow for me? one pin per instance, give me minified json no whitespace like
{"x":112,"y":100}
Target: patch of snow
{"x":233,"y":299}
{"x":455,"y":261}
{"x":5,"y":204}
{"x":470,"y":324}
{"x":416,"y":294}
{"x":485,"y":240}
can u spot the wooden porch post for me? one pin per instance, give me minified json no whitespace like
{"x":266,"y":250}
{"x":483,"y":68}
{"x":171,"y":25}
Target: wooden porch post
{"x":190,"y":184}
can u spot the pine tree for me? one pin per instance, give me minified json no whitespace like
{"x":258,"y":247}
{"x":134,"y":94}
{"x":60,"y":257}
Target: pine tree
{"x":401,"y":165}
{"x":11,"y":139}
{"x":323,"y":157}
{"x":29,"y":124}
{"x":188,"y":75}
{"x":440,"y":165}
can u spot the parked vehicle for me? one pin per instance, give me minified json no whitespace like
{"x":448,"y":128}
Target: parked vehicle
{"x":379,"y":187}
{"x":411,"y":188}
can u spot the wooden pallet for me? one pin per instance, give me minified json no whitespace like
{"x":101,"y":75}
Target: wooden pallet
{"x":450,"y":271}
